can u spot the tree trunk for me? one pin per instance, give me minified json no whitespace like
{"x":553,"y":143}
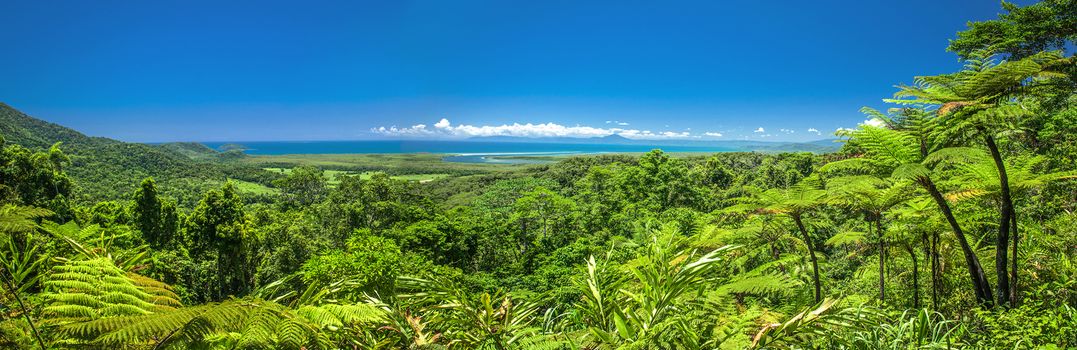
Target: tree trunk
{"x":1002,"y":241}
{"x":925,"y":243}
{"x":1013,"y":261}
{"x":915,"y":276}
{"x":775,"y":254}
{"x":980,"y":285}
{"x":882,"y":257}
{"x":811,"y":253}
{"x":935,"y":270}
{"x":25,"y":311}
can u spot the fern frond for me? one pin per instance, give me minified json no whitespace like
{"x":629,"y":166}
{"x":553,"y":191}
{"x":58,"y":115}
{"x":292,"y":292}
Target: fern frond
{"x":81,"y":290}
{"x":761,"y":284}
{"x":956,"y":155}
{"x":847,"y":237}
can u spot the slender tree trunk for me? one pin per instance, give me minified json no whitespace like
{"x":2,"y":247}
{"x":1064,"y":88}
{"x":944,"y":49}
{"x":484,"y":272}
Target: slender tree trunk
{"x":926,"y":246}
{"x":1002,"y":241}
{"x":934,"y":250}
{"x":882,"y":256}
{"x":25,"y":311}
{"x":775,"y":254}
{"x":980,"y":285}
{"x":811,"y":253}
{"x":935,"y":270}
{"x":1013,"y":261}
{"x":915,"y":276}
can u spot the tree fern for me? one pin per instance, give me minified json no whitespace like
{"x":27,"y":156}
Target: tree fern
{"x":760,"y":284}
{"x":93,"y":242}
{"x":80,"y":290}
{"x":20,"y":219}
{"x":236,"y":323}
{"x":847,"y":237}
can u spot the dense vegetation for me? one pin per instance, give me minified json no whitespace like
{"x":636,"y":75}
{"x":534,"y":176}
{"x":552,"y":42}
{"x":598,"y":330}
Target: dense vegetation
{"x":946,"y":222}
{"x":110,"y":169}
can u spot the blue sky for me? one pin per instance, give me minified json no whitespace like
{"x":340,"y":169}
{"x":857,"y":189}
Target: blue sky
{"x":229,"y":71}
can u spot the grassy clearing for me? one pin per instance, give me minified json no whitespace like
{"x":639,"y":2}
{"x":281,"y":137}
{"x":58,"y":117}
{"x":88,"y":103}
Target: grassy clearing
{"x":393,"y":164}
{"x":420,"y":167}
{"x":417,"y":177}
{"x":332,"y":177}
{"x":253,"y":187}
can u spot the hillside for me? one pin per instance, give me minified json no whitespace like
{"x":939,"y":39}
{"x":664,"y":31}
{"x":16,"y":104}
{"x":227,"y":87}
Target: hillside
{"x":192,"y":150}
{"x":104,"y":168}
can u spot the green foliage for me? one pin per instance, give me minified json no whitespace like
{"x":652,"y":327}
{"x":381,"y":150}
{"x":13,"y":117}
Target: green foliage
{"x":666,"y":305}
{"x":804,"y":328}
{"x":304,"y":185}
{"x":475,"y":322}
{"x":35,"y":178}
{"x":1021,"y":31}
{"x":105,"y":169}
{"x":154,"y":216}
{"x":370,"y":262}
{"x":655,"y":250}
{"x":244,"y":324}
{"x":82,"y":290}
{"x":217,"y":229}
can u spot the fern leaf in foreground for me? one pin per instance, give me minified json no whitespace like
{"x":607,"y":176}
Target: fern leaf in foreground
{"x":80,"y":290}
{"x":243,"y":324}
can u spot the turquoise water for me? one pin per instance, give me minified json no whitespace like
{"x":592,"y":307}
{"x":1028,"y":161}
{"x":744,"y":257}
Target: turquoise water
{"x":455,"y":151}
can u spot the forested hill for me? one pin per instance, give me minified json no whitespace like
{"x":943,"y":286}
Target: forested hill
{"x":104,"y":168}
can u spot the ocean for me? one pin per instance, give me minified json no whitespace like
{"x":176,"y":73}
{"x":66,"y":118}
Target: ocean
{"x":455,"y":151}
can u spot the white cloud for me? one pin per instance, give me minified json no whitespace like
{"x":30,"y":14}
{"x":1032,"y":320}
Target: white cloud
{"x":814,"y":131}
{"x":444,"y":128}
{"x":876,"y":122}
{"x":713,"y":134}
{"x":760,"y":130}
{"x":787,"y":131}
{"x":617,"y":122}
{"x":676,"y":135}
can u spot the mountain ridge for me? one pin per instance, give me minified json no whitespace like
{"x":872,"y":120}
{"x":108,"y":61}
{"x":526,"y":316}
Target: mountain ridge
{"x":105,"y":168}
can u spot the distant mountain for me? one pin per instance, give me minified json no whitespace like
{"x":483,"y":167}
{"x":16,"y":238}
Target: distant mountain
{"x":104,"y":168}
{"x":819,"y":146}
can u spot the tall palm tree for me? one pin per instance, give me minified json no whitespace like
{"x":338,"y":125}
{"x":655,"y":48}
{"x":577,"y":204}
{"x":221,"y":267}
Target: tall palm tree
{"x":901,"y":154}
{"x":983,"y":101}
